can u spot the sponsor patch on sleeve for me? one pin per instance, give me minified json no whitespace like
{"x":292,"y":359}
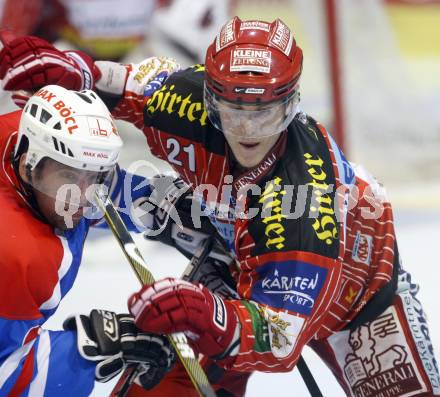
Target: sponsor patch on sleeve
{"x":284,"y":330}
{"x":363,"y":246}
{"x":291,"y":285}
{"x":377,"y":359}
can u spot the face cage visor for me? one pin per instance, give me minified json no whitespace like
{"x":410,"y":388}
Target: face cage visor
{"x":250,"y":121}
{"x":71,"y":187}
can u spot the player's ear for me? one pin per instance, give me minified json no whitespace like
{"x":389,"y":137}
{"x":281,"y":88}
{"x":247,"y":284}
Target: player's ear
{"x":22,"y":168}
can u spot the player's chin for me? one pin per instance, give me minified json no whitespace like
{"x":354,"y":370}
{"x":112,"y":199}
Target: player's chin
{"x":247,"y":162}
{"x":250,"y":155}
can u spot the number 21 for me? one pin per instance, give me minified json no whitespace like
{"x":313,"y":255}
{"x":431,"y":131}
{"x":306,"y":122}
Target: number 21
{"x":176,"y":148}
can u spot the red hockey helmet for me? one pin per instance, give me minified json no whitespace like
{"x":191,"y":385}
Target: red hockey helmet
{"x":252,"y":65}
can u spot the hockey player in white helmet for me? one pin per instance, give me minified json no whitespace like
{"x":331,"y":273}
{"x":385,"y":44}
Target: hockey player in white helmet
{"x":54,"y":154}
{"x":67,"y":146}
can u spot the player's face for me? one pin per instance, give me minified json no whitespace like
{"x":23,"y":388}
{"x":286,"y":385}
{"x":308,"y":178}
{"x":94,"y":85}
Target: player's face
{"x":62,"y":193}
{"x":251,"y":122}
{"x":241,"y":127}
{"x":50,"y":209}
{"x":251,"y":129}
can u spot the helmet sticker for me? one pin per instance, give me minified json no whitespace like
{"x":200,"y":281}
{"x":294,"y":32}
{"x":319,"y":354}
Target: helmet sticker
{"x":282,"y":37}
{"x":249,"y":90}
{"x":72,"y":128}
{"x":250,"y":60}
{"x":253,"y":54}
{"x":64,"y":111}
{"x":101,"y":127}
{"x":96,"y":154}
{"x":259,"y":25}
{"x":226,"y":35}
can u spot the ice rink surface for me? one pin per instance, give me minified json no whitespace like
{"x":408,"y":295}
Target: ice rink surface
{"x":105,"y":281}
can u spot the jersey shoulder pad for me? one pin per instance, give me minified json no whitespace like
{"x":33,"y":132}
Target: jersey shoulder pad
{"x":308,"y":129}
{"x":177,"y":109}
{"x":179,"y":102}
{"x":9,"y":122}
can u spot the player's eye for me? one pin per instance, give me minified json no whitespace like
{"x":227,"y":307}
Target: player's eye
{"x":68,"y":177}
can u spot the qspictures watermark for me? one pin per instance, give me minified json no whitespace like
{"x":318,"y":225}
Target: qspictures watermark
{"x":274,"y":202}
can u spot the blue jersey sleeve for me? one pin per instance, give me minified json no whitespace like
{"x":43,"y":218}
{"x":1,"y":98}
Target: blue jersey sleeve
{"x":34,"y":361}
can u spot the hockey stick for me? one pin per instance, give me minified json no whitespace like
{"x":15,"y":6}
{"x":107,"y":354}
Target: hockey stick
{"x":132,"y":253}
{"x":128,"y":376}
{"x":308,"y":378}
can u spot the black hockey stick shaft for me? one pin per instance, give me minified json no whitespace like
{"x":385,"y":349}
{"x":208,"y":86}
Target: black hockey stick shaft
{"x":132,"y":253}
{"x":308,"y":378}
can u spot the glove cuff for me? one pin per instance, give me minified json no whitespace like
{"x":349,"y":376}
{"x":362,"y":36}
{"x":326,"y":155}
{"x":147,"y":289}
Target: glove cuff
{"x":232,"y":327}
{"x":226,"y":330}
{"x":113,"y":77}
{"x":89,"y":72}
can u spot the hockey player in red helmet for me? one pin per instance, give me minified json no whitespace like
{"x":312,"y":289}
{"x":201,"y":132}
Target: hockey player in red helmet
{"x":316,"y":260}
{"x":251,"y":90}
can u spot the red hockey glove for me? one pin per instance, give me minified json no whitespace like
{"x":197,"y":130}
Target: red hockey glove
{"x":173,"y":305}
{"x":29,"y":63}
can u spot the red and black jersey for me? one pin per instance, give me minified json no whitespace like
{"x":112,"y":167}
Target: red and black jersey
{"x":312,"y":234}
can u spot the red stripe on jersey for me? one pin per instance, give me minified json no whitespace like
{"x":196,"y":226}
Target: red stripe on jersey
{"x":25,"y":376}
{"x":31,"y":334}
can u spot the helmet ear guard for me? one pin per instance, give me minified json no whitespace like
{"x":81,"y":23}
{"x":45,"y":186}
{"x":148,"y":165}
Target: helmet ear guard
{"x":28,"y":172}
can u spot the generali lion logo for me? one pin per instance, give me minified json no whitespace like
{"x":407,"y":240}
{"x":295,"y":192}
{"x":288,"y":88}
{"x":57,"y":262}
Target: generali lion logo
{"x":373,"y":357}
{"x":380,"y":364}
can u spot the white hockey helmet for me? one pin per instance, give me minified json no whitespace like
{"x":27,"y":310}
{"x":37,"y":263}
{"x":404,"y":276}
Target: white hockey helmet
{"x":71,"y":127}
{"x":76,"y":131}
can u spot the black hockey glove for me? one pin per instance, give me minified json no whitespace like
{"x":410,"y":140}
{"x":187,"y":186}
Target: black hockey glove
{"x":169,"y":208}
{"x":113,"y":342}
